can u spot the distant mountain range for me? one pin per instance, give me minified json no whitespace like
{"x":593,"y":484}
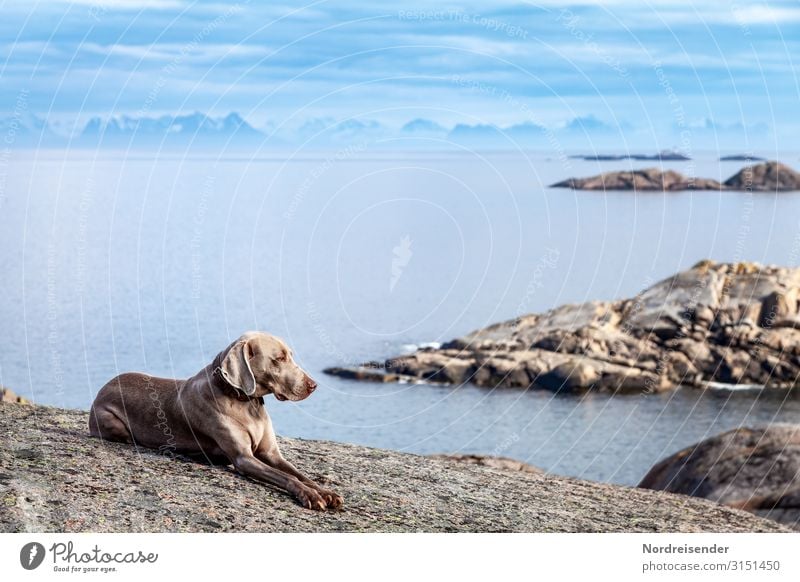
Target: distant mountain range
{"x":25,"y":129}
{"x":194,"y":126}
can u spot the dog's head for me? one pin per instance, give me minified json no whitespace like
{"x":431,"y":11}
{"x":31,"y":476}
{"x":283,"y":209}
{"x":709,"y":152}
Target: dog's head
{"x":259,"y":363}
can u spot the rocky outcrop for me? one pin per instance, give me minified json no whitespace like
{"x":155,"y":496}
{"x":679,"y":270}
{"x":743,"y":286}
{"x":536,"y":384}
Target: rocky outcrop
{"x":8,"y":395}
{"x":741,"y":158}
{"x":753,"y":469}
{"x":504,"y":463}
{"x":55,"y":478}
{"x":766,"y":177}
{"x":664,"y":156}
{"x":367,"y":372}
{"x":716,"y":322}
{"x":650,"y":179}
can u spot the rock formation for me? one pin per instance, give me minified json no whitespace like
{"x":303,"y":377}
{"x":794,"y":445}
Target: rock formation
{"x":664,"y":156}
{"x":55,"y":478}
{"x":716,"y":322}
{"x":650,"y":179}
{"x":753,"y":469}
{"x":765,"y":177}
{"x":8,"y":395}
{"x":741,"y":158}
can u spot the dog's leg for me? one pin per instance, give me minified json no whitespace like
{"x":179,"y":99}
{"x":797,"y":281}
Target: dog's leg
{"x":106,"y":425}
{"x":308,"y":496}
{"x":270,"y":454}
{"x":276,"y":460}
{"x":247,"y":464}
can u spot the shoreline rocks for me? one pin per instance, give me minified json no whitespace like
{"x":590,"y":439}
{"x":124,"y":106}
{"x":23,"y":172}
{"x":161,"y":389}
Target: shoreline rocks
{"x":756,"y":469}
{"x":55,"y":478}
{"x":8,"y":395}
{"x":764,"y":177}
{"x":714,"y":323}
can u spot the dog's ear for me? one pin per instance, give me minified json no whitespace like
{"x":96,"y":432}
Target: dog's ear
{"x":236,"y":368}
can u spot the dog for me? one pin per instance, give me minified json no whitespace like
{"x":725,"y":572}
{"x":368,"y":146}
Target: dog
{"x":218,"y":413}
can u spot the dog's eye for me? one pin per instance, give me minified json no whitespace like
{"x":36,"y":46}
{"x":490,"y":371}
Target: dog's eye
{"x":281,"y":358}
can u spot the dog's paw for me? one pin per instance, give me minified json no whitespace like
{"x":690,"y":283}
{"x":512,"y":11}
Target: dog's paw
{"x":332,"y":500}
{"x":311,"y":499}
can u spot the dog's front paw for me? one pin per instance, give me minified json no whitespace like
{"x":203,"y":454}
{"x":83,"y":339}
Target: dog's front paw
{"x":310,"y":498}
{"x":332,"y":500}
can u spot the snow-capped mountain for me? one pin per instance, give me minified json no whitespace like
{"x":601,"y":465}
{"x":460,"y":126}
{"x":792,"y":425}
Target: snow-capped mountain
{"x":169,"y":129}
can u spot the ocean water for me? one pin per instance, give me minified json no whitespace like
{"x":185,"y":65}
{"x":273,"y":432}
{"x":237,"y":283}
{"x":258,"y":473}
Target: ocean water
{"x":116,"y":261}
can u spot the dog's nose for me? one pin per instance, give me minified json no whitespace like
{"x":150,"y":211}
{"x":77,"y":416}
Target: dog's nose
{"x":310,"y":384}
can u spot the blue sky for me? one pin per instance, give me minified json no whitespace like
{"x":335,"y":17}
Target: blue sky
{"x":648,"y":70}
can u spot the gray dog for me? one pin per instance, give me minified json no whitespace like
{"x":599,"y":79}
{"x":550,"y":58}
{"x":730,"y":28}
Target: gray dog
{"x":218,"y":413}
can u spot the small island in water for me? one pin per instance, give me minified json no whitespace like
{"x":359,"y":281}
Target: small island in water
{"x":741,"y":158}
{"x":720,"y":323}
{"x":663,"y":156}
{"x":765,"y":177}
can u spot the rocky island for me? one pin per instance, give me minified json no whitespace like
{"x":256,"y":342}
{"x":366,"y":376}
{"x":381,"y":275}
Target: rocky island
{"x":55,"y":478}
{"x":663,"y":156}
{"x":741,"y":158}
{"x":714,"y":323}
{"x":650,"y":179}
{"x":766,"y":177}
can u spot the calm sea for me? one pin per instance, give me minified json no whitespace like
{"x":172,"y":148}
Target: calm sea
{"x":114,"y":262}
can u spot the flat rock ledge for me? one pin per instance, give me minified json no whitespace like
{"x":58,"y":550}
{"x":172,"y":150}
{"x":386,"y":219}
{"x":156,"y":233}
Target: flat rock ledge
{"x":764,"y":177}
{"x":716,"y":323}
{"x":55,"y":478}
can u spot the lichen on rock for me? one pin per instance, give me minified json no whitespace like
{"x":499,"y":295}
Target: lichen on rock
{"x":55,"y":478}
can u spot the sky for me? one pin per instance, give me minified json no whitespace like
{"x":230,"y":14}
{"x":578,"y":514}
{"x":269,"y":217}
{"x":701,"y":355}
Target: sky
{"x":682,"y":74}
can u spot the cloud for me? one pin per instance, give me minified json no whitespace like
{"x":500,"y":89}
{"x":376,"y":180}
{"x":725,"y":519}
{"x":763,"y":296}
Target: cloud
{"x":363,"y":61}
{"x":125,"y":4}
{"x":163,"y":53}
{"x":659,"y":12}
